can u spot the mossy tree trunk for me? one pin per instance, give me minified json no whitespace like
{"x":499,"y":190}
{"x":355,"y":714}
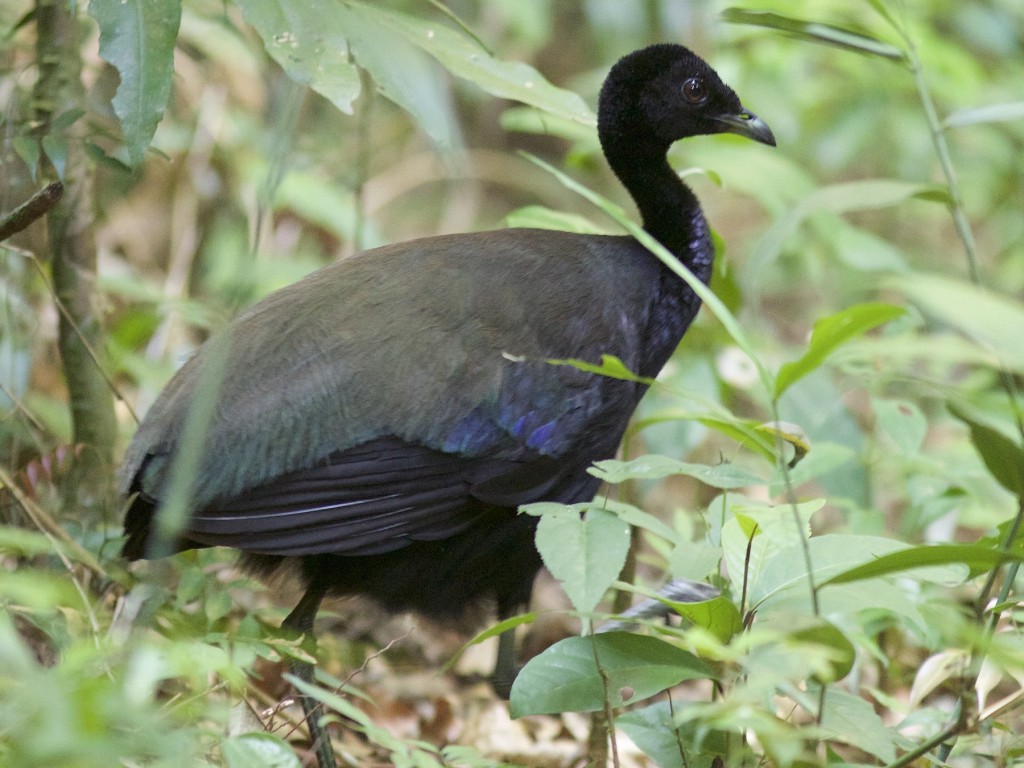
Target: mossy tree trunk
{"x":73,"y":252}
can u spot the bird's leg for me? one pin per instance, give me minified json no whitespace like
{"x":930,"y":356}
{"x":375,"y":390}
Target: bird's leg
{"x":505,"y":667}
{"x":300,"y":621}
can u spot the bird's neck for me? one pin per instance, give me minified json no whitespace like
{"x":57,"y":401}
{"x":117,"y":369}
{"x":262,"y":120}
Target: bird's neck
{"x":669,"y":211}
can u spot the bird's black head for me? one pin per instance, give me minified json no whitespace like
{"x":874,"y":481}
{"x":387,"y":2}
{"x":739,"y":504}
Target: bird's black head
{"x":663,"y":93}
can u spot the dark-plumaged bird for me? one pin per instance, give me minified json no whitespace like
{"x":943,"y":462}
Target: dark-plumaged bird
{"x":378,"y":423}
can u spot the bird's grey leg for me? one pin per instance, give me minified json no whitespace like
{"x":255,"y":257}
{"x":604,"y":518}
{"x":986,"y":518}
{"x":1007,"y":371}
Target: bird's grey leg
{"x":300,"y":621}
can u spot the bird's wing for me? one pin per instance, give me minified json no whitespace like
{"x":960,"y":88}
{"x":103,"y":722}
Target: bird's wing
{"x":366,"y":500}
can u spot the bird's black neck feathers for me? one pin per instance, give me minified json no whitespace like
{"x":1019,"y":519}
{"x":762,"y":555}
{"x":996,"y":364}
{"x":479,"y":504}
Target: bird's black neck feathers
{"x":637,"y":154}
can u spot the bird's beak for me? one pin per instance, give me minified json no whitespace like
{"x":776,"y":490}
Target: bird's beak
{"x":746,"y":123}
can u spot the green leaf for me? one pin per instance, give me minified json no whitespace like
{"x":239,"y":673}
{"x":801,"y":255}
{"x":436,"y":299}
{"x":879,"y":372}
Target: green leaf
{"x":1003,"y":456}
{"x":903,"y":421}
{"x":816,"y":32}
{"x":835,"y":652}
{"x":585,"y":554}
{"x":540,"y":217}
{"x":989,"y":318}
{"x":493,"y":631}
{"x":655,"y":731}
{"x":846,"y":197}
{"x":262,"y":749}
{"x":830,"y":333}
{"x":694,"y":560}
{"x":402,"y":72}
{"x":309,"y":44}
{"x":137,"y":37}
{"x":977,"y":558}
{"x":539,"y":122}
{"x":610,"y":366}
{"x":22,"y":542}
{"x":853,"y":720}
{"x":719,"y":616}
{"x":639,"y":519}
{"x":465,"y":58}
{"x":566,"y":678}
{"x":654,"y":467}
{"x":992,"y":113}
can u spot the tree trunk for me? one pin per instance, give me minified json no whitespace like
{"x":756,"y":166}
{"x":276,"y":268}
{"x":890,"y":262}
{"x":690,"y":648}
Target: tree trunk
{"x":73,"y":253}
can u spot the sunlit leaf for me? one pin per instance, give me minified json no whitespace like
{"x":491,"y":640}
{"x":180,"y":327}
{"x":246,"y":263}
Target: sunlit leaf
{"x":539,"y":217}
{"x":137,"y":37}
{"x":401,"y":71}
{"x":566,"y":677}
{"x":610,"y":366}
{"x":584,"y":553}
{"x":719,"y":616}
{"x":816,"y":32}
{"x":652,"y":466}
{"x":830,"y":333}
{"x":991,"y":113}
{"x":936,"y":670}
{"x":994,"y":320}
{"x":461,"y":55}
{"x":310,"y":44}
{"x":977,"y":558}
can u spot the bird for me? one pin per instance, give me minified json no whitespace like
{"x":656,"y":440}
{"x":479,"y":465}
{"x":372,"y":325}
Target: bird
{"x":376,"y":425}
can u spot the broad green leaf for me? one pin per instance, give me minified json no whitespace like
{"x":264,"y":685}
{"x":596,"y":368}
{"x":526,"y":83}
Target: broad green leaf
{"x":936,"y":670}
{"x":719,"y":616}
{"x":639,"y":519}
{"x":694,"y":560}
{"x":540,"y":217}
{"x":992,"y":113}
{"x":652,"y":467}
{"x":830,"y":333}
{"x":1003,"y":456}
{"x":800,"y":630}
{"x":853,"y":720}
{"x":566,"y":677}
{"x":464,"y":57}
{"x":755,"y":533}
{"x":654,"y":730}
{"x":402,"y":72}
{"x":584,"y":553}
{"x":263,"y":749}
{"x":991,"y":319}
{"x":310,"y":44}
{"x":977,"y":558}
{"x":816,"y":32}
{"x":137,"y":37}
{"x":537,"y":121}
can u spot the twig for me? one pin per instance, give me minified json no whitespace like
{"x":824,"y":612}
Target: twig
{"x":34,"y":208}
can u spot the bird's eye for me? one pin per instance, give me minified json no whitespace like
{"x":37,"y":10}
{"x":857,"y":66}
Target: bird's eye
{"x":693,"y":90}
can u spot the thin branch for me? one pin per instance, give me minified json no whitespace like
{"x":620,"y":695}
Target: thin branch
{"x":32,"y":209}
